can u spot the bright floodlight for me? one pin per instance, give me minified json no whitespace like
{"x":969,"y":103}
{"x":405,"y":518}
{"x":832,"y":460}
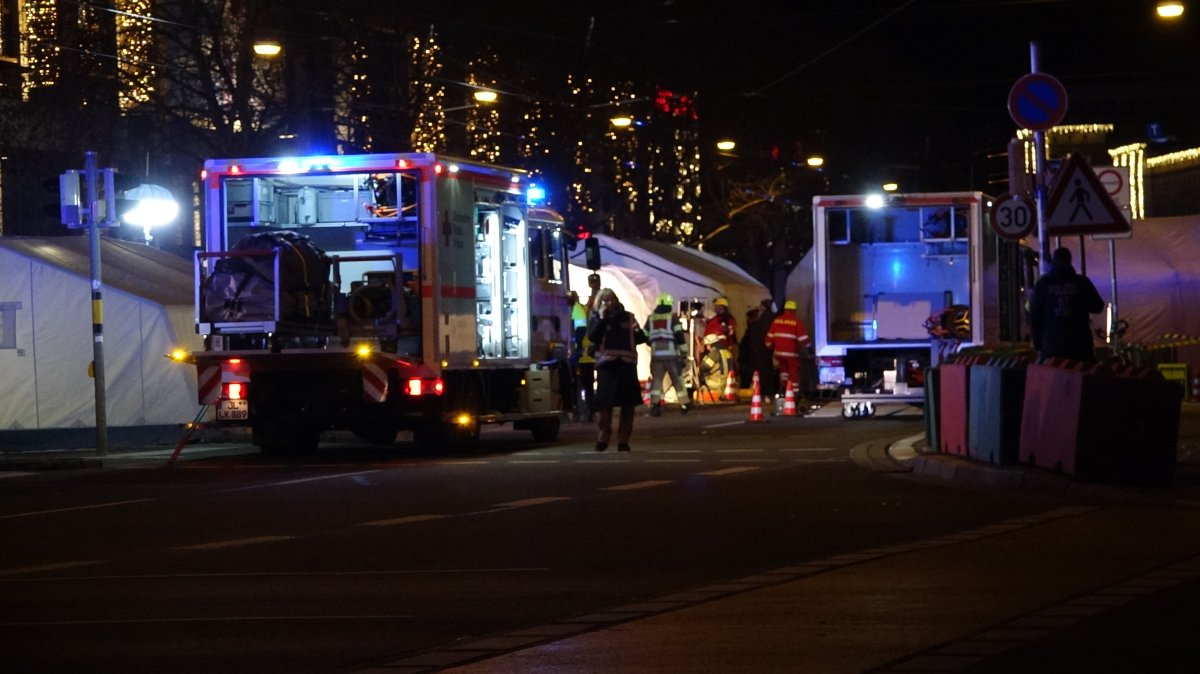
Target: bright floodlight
{"x":726,"y":145}
{"x":154,"y":206}
{"x":875,"y":201}
{"x":621,"y":121}
{"x":485,"y":95}
{"x":890,"y":187}
{"x":815,"y":161}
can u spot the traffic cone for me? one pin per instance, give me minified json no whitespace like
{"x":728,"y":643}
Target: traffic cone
{"x":646,"y":394}
{"x":756,"y":411}
{"x":789,"y":402}
{"x":731,"y":386}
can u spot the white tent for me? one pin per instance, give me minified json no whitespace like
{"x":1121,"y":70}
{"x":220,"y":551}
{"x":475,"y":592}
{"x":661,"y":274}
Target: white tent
{"x":46,"y":334}
{"x":638,"y":271}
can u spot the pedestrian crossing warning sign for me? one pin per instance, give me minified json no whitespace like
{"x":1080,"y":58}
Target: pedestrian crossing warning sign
{"x":1079,"y":203}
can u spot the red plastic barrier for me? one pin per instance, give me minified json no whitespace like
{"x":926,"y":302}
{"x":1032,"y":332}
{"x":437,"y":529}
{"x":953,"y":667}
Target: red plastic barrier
{"x":1099,"y":426}
{"x":954,"y":407}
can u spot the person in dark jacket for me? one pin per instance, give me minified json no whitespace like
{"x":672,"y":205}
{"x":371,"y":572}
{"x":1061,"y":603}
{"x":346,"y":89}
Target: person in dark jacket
{"x":755,"y":356}
{"x":616,"y":334}
{"x":1059,"y":311}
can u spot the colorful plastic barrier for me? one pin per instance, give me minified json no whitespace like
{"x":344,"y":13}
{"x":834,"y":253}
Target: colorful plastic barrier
{"x":1097,"y":423}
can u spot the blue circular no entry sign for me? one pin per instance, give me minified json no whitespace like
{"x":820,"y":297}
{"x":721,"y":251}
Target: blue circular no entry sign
{"x":1037,"y":102}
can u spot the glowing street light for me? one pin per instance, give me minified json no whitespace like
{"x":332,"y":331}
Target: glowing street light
{"x":485,"y":95}
{"x":815,"y":161}
{"x":621,"y":121}
{"x":726,"y":145}
{"x":267,"y":48}
{"x":1170,"y":9}
{"x":890,"y":187}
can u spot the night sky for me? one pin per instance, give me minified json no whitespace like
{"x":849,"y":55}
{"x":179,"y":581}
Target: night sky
{"x":911,"y":90}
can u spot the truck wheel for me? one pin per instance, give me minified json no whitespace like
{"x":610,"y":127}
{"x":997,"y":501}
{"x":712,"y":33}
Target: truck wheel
{"x":545,"y":430}
{"x":848,"y":411}
{"x":277,"y":439}
{"x":377,"y":435}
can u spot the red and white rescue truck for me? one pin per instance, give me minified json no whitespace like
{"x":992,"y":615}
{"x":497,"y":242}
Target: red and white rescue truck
{"x":902,"y":280}
{"x":379,"y":293}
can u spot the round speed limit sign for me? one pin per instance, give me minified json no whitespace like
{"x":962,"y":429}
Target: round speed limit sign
{"x":1013,"y":217}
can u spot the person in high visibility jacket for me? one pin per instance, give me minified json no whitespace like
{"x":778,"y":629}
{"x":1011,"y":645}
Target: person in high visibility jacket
{"x":788,"y":339}
{"x":616,"y":334}
{"x":668,"y":349}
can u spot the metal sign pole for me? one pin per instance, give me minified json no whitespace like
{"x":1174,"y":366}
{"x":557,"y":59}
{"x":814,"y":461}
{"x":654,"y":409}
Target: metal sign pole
{"x":97,"y":303}
{"x":1039,"y":175}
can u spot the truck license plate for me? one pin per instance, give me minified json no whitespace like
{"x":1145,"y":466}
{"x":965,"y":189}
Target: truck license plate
{"x":233,"y":410}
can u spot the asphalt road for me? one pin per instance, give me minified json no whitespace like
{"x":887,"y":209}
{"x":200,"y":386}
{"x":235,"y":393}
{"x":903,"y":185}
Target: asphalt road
{"x":365,"y":559}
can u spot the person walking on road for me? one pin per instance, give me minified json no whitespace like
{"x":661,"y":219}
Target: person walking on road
{"x":668,"y":349}
{"x":788,"y":339}
{"x":1059,"y":311}
{"x":616,"y":334}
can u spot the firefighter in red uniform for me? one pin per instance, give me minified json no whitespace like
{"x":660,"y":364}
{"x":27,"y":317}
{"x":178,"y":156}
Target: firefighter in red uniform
{"x":788,"y":339}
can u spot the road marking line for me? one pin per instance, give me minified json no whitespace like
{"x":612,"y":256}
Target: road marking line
{"x":74,"y":508}
{"x":303,"y":480}
{"x":410,"y":519}
{"x":541,"y":461}
{"x":45,"y":567}
{"x":729,"y":471}
{"x":464,"y":462}
{"x":14,"y":473}
{"x":747,"y":460}
{"x":676,"y":451}
{"x":537,"y":500}
{"x":728,"y":423}
{"x":234,"y":542}
{"x":637,"y":485}
{"x":262,"y":618}
{"x":738,"y":451}
{"x":672,"y":461}
{"x":808,"y":449}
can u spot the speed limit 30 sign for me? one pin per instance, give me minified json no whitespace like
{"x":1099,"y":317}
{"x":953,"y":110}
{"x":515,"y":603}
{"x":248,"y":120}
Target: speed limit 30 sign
{"x":1013,"y":217}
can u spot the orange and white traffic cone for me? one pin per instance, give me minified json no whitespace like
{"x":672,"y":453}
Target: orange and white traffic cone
{"x":731,"y":385}
{"x":756,"y":411}
{"x":646,"y":394}
{"x":789,"y":402}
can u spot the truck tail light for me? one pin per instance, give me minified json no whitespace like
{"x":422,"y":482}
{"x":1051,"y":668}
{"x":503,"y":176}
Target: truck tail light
{"x":419,"y":387}
{"x":234,"y":390}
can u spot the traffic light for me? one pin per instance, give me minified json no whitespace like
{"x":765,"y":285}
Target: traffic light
{"x":68,"y":207}
{"x":109,"y":204}
{"x":112,"y":204}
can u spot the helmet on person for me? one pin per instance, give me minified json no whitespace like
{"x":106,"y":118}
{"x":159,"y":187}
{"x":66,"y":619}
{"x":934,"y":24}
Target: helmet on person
{"x":789,"y":305}
{"x":721,"y":302}
{"x":665,"y":299}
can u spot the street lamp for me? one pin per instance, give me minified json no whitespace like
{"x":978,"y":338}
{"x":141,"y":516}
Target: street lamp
{"x":815,"y":161}
{"x":1169,"y":9}
{"x":267,"y":48}
{"x":726,"y":145}
{"x":890,"y":187}
{"x":621,"y":121}
{"x":485,"y":95}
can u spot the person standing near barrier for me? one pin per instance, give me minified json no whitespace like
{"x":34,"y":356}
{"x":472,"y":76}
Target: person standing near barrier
{"x":582,"y":361}
{"x":787,"y":338}
{"x":616,"y":334}
{"x":668,"y":349}
{"x":1059,"y":311}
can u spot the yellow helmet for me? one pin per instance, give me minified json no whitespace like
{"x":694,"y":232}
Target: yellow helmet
{"x":789,"y":305}
{"x":721,"y":302}
{"x":666,"y":299}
